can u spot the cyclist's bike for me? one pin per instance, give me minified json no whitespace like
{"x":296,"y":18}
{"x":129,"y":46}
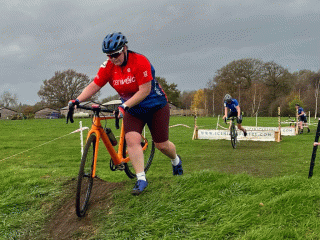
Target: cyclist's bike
{"x":233,"y":131}
{"x":119,"y":158}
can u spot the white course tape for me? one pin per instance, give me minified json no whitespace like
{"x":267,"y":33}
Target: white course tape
{"x":78,"y":130}
{"x":222,"y":126}
{"x":179,"y":125}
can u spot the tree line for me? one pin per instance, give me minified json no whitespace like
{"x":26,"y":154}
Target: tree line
{"x":260,"y":88}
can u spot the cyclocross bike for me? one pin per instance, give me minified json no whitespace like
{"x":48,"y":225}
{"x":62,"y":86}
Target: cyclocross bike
{"x":119,"y":159}
{"x":233,"y":131}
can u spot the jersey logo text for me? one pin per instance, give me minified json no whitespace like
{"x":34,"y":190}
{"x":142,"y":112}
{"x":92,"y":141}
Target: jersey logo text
{"x":127,"y":80}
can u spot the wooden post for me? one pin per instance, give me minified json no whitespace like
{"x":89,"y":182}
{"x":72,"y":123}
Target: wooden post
{"x":278,"y":133}
{"x":195,"y":131}
{"x":218,"y":122}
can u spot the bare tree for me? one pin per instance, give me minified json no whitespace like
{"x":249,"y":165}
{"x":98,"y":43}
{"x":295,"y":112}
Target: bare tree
{"x":237,"y":79}
{"x":63,"y":86}
{"x":257,"y":96}
{"x":315,"y":81}
{"x":316,"y":95}
{"x":306,"y":88}
{"x":186,"y":99}
{"x":278,"y":80}
{"x":8,"y":99}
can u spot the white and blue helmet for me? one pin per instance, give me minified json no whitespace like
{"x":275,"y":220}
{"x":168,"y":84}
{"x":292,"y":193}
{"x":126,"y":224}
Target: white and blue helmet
{"x":227,"y":98}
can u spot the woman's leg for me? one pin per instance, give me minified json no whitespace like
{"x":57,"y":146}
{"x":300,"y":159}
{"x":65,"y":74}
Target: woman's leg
{"x":159,"y":128}
{"x":135,"y":152}
{"x":167,"y":148}
{"x":133,"y":127}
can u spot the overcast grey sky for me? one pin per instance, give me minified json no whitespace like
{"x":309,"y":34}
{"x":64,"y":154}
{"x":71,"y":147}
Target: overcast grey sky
{"x":186,"y":41}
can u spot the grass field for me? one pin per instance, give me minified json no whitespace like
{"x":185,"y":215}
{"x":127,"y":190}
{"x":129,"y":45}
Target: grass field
{"x":258,"y":191}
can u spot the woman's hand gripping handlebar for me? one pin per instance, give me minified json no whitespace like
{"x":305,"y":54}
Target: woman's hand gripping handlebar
{"x":95,"y":108}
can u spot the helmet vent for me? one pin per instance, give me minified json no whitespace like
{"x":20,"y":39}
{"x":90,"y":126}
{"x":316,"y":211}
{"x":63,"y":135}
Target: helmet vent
{"x":108,"y":43}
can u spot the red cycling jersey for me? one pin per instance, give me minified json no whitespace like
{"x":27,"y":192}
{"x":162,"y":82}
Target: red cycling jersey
{"x":127,"y":79}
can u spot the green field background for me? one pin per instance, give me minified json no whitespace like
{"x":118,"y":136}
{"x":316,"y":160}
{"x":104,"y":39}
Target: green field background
{"x":260,"y":190}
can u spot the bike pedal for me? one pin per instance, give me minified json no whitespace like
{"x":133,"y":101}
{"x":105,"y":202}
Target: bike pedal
{"x":120,"y":167}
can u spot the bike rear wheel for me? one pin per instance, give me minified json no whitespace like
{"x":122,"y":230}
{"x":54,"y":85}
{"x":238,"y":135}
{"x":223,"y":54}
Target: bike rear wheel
{"x":233,"y":134}
{"x":85,"y":180}
{"x":148,"y":157}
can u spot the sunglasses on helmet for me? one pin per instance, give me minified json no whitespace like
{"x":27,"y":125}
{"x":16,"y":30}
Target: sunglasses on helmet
{"x":115,"y":54}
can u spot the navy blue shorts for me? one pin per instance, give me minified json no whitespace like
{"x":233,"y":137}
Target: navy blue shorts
{"x":303,"y":119}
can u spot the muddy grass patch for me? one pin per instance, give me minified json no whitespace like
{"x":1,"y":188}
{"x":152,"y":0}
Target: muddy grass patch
{"x":65,"y":224}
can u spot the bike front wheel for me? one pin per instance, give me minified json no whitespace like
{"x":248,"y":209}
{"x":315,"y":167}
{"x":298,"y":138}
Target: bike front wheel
{"x":148,"y":154}
{"x":85,"y":179}
{"x":233,"y":134}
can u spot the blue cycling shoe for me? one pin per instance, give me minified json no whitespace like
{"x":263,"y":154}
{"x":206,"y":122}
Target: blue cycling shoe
{"x":139,"y":187}
{"x":177,"y":170}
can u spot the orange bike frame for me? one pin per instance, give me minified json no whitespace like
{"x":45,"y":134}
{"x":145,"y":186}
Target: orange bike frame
{"x":117,"y":157}
{"x":98,"y":130}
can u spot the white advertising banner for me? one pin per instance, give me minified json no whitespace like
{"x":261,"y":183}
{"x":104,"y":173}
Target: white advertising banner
{"x":285,"y":131}
{"x":288,"y":131}
{"x":225,"y":134}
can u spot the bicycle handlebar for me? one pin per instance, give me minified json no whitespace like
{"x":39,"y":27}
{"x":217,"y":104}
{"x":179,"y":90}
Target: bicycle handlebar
{"x":230,"y":118}
{"x":94,"y":108}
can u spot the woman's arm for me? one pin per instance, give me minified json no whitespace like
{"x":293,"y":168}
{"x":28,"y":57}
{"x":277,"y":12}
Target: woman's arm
{"x":143,"y":92}
{"x":88,"y":92}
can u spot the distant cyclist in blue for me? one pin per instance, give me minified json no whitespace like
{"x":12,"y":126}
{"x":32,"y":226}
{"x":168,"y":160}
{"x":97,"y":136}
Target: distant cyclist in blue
{"x":233,"y":105}
{"x":302,"y":119}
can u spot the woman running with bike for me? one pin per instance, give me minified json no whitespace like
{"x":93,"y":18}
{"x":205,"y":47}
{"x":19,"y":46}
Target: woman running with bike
{"x":143,"y":102}
{"x":234,"y":107}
